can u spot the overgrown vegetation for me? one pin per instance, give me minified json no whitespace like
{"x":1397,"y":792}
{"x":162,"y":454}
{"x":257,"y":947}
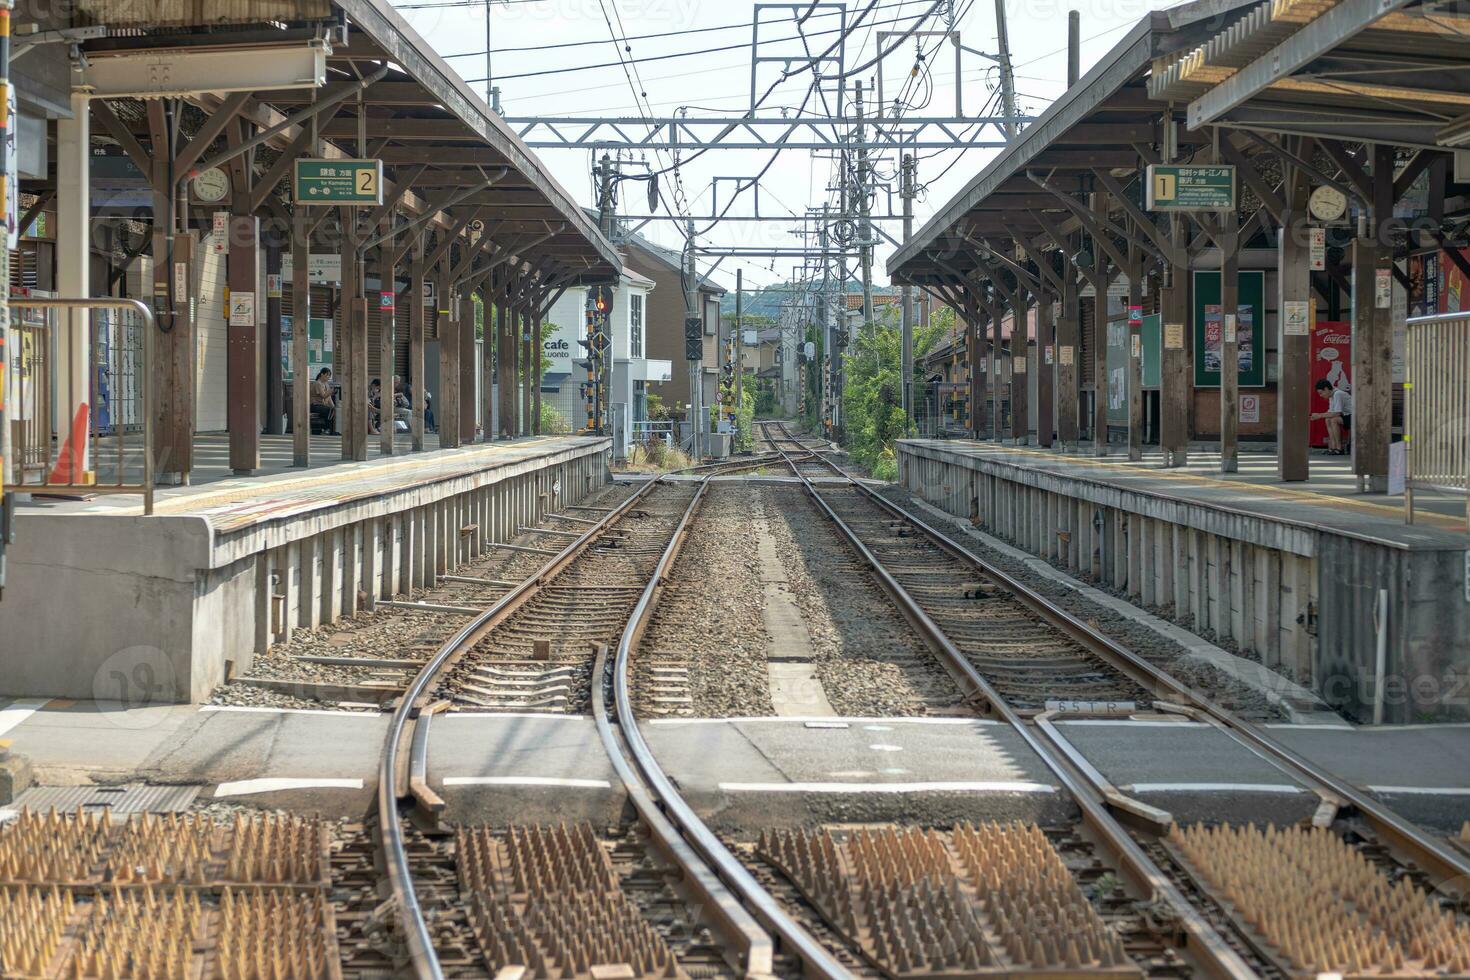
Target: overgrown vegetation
{"x":553,"y":423}
{"x":872,"y":396}
{"x":656,"y":456}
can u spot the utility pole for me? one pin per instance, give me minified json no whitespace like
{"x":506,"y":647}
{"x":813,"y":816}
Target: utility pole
{"x":492,"y":94}
{"x":865,"y":230}
{"x":1007,"y":75}
{"x":604,"y":195}
{"x":832,"y":381}
{"x":693,"y":344}
{"x":906,"y":364}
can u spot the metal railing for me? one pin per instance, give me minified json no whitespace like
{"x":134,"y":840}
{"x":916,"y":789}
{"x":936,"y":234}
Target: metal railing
{"x":1437,"y":407}
{"x":107,"y":445}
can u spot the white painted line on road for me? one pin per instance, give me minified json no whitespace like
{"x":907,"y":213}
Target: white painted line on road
{"x":827,"y":721}
{"x":273,"y":784}
{"x":1310,"y":727}
{"x":252,"y":710}
{"x":18,"y":711}
{"x":547,"y":715}
{"x":997,"y":786}
{"x":1213,"y":788}
{"x":1423,"y":790}
{"x":1129,"y":723}
{"x":569,"y":783}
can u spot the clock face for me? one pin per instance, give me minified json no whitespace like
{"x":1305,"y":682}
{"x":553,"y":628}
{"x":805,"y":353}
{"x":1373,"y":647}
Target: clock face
{"x":211,"y":186}
{"x":1327,"y":203}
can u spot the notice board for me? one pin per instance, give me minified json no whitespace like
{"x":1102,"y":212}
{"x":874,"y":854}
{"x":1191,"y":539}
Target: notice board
{"x":1208,"y":326}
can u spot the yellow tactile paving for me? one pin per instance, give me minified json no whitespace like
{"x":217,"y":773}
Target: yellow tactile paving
{"x":1390,"y":511}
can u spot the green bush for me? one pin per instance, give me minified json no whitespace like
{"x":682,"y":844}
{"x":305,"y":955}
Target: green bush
{"x":553,"y":423}
{"x":872,"y":396}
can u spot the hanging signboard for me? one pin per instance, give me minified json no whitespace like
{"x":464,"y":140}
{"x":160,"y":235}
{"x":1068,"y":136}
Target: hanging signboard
{"x":1209,"y":329}
{"x":339,"y":182}
{"x":1191,"y":187}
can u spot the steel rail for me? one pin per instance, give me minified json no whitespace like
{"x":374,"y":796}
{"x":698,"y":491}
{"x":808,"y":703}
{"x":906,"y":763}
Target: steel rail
{"x":650,"y":776}
{"x":424,"y":958}
{"x":1214,"y":954}
{"x":1450,"y":869}
{"x":706,"y":875}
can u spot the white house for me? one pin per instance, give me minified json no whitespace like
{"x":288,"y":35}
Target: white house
{"x":632,"y":370}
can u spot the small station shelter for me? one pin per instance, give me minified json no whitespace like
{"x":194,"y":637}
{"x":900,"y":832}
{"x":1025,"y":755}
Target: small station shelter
{"x":1239,"y":202}
{"x":219,"y":201}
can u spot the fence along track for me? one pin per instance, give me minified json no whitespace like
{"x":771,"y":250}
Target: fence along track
{"x":705,"y":865}
{"x":1447,"y":869}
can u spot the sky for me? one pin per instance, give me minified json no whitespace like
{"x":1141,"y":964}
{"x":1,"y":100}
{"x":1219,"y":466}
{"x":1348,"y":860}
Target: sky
{"x":543,"y":54}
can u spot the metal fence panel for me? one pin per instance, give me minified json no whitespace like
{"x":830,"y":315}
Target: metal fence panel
{"x":1437,"y":405}
{"x":116,"y":423}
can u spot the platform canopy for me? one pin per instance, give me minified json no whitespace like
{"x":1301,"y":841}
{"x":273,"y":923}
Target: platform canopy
{"x":378,"y":90}
{"x":1324,"y":129}
{"x":1383,"y":71}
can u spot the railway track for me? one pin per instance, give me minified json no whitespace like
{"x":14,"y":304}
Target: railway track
{"x":1237,"y":892}
{"x":508,"y":880}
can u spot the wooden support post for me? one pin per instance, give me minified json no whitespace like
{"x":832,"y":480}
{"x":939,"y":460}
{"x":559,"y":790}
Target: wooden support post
{"x":1372,"y":332}
{"x":1229,"y":342}
{"x":1069,"y":389}
{"x":1100,"y":283}
{"x":275,"y":383}
{"x":448,"y":414}
{"x":536,"y":384}
{"x":1020,"y":341}
{"x":351,"y":336}
{"x":1293,"y":336}
{"x":173,"y":369}
{"x":487,"y":360}
{"x":418,"y":314}
{"x":1176,"y":385}
{"x":1100,"y":366}
{"x":387,"y":338}
{"x":242,"y":327}
{"x":1135,"y":360}
{"x":1046,"y":356}
{"x":505,"y":369}
{"x":995,"y":363}
{"x":528,"y":371}
{"x":975,"y":350}
{"x":467,"y":368}
{"x":300,"y":319}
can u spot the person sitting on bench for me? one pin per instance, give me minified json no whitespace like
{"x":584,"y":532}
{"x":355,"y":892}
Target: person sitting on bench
{"x":324,"y":402}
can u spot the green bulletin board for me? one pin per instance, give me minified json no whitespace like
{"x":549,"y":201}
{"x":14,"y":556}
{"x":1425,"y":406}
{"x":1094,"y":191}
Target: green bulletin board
{"x":1153,"y":365}
{"x":1118,"y":372}
{"x":318,"y":347}
{"x":1118,"y":364}
{"x":1208,"y":323}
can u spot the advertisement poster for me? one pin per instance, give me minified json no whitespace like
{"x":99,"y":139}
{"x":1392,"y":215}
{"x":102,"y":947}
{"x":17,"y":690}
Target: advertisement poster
{"x":1424,"y":285}
{"x":1332,"y":349}
{"x":1454,"y":291}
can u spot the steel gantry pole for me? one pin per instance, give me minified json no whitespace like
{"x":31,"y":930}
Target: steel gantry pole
{"x":693,"y":343}
{"x":906,"y":293}
{"x":865,"y":228}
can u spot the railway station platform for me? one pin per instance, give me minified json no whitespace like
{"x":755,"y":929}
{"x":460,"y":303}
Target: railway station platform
{"x":1291,"y":575}
{"x":104,"y":603}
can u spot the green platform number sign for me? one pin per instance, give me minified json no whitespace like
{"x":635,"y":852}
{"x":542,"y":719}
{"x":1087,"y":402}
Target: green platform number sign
{"x":1191,"y":187}
{"x":339,"y":182}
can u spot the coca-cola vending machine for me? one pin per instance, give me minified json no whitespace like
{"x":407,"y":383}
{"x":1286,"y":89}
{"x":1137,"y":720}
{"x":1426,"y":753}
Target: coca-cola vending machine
{"x":1332,"y":358}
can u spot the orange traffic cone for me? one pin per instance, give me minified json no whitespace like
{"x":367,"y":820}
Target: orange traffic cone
{"x":71,"y":461}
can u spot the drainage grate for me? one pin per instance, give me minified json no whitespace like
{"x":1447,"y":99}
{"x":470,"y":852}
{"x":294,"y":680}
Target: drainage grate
{"x":135,"y":798}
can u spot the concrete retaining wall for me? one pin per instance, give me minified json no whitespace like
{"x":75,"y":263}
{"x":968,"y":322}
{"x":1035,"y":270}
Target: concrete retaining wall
{"x":133,"y":610}
{"x":1300,"y":599}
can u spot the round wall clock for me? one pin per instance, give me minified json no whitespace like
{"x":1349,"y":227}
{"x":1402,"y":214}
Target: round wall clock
{"x":211,"y":186}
